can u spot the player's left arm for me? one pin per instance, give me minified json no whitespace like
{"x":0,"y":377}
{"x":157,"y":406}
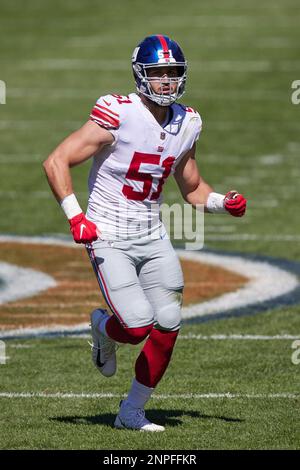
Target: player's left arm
{"x":196,"y":191}
{"x":192,"y":186}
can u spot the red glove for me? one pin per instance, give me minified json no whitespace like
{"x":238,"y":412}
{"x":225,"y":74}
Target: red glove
{"x":235,"y":203}
{"x":83,"y":230}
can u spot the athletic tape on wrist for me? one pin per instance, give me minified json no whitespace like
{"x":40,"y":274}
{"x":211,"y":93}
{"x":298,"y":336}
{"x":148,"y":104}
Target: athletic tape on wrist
{"x":215,"y":203}
{"x":70,"y":206}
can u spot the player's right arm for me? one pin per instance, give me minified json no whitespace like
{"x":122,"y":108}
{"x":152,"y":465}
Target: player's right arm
{"x":75,"y":149}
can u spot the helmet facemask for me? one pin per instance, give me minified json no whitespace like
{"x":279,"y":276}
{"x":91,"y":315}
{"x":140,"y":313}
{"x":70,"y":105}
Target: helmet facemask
{"x":144,"y":82}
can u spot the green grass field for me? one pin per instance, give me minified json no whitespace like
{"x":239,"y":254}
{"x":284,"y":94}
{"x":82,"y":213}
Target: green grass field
{"x":56,"y":59}
{"x":199,"y":367}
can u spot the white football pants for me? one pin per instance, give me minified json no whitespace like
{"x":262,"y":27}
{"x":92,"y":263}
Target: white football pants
{"x":141,"y":281}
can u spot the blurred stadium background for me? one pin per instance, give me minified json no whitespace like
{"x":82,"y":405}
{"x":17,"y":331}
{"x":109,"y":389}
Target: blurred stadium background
{"x":56,"y":59}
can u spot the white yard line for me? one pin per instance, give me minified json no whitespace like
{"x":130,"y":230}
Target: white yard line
{"x":221,"y":228}
{"x":74,"y":64}
{"x":254,"y":237}
{"x":12,"y":194}
{"x":255,"y":160}
{"x":84,"y":327}
{"x":122,"y":65}
{"x":21,"y":158}
{"x":219,"y":337}
{"x":21,"y":194}
{"x":63,"y":241}
{"x":48,"y":94}
{"x":238,"y":337}
{"x":193,"y":396}
{"x":220,"y":125}
{"x":226,"y":21}
{"x":259,"y":162}
{"x":31,"y":125}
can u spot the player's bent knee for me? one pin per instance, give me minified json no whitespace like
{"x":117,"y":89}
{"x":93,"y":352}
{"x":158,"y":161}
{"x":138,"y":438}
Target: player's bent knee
{"x":139,"y":320}
{"x":138,"y":314}
{"x":169,"y":317}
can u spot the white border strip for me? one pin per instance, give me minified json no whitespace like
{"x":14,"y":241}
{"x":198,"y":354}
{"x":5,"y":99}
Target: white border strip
{"x":266,"y":282}
{"x":56,"y":330}
{"x":194,"y":396}
{"x":36,"y":240}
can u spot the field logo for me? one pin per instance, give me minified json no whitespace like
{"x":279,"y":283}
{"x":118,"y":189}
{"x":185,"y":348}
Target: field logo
{"x":2,"y":92}
{"x":296,"y":94}
{"x":2,"y":352}
{"x":296,"y":354}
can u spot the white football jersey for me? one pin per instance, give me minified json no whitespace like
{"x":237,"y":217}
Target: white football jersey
{"x":127,"y":177}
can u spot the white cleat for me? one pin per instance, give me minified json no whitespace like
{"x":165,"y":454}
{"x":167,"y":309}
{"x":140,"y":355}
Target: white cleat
{"x":103,"y":348}
{"x":134,"y":418}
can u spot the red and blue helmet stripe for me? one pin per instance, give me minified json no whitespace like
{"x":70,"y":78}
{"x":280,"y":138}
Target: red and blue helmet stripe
{"x":153,"y":51}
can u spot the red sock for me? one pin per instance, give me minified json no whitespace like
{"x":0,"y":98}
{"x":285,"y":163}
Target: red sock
{"x":155,"y":357}
{"x":126,"y":335}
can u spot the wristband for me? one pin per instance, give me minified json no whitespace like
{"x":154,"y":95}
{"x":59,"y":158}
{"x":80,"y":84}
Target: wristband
{"x":70,"y":206}
{"x":215,"y":203}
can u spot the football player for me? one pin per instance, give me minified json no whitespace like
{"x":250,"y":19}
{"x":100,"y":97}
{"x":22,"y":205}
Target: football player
{"x":136,"y":142}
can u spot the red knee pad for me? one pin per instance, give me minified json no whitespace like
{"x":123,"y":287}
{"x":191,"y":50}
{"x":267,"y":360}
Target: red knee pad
{"x":126,"y":335}
{"x":155,"y":357}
